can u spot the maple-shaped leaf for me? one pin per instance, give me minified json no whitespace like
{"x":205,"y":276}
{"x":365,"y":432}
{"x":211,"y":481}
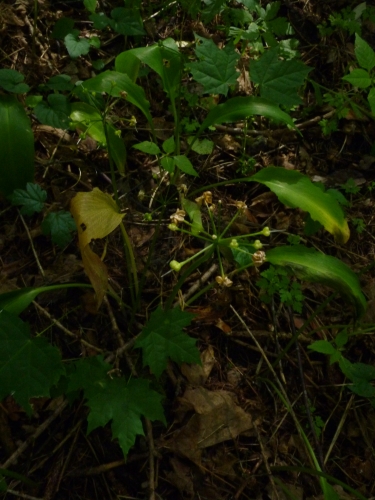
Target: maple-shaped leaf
{"x":278,"y":79}
{"x":32,"y":198}
{"x":29,"y":367}
{"x":216,"y":69}
{"x":59,"y":225}
{"x":163,"y":338}
{"x":112,"y":398}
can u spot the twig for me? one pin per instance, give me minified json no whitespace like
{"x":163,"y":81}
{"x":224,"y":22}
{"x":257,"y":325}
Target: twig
{"x":305,"y":396}
{"x":32,"y":245}
{"x":22,"y":495}
{"x":205,"y":277}
{"x":265,"y":460}
{"x":339,"y":428}
{"x":13,"y":458}
{"x":151,"y":457}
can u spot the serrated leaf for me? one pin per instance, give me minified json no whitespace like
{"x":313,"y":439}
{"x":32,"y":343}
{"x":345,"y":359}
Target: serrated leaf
{"x":127,"y":22}
{"x":309,"y":265}
{"x":216,"y":69}
{"x":76,"y":46}
{"x":194,"y":213}
{"x":148,"y":147}
{"x":60,"y":83}
{"x":16,"y":146}
{"x":185,"y":165}
{"x":120,"y":85}
{"x":322,"y":346}
{"x":279,"y":80}
{"x":63,"y":27}
{"x":296,"y":190}
{"x":55,"y":112}
{"x":29,"y":367}
{"x":60,"y":226}
{"x":364,"y":53}
{"x":241,"y":108}
{"x":32,"y":198}
{"x":96,"y":215}
{"x":116,"y":400}
{"x":163,"y":338}
{"x":358,"y":78}
{"x":11,"y":81}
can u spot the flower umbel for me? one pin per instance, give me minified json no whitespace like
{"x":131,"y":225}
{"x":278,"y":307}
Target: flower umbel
{"x":224,"y":281}
{"x":258,"y":258}
{"x":206,"y":198}
{"x":178,"y":216}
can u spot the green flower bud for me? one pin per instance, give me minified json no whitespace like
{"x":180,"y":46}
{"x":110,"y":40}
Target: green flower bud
{"x":266,"y":231}
{"x":176,"y":266}
{"x":173,"y":227}
{"x":258,"y":244}
{"x":233,"y":243}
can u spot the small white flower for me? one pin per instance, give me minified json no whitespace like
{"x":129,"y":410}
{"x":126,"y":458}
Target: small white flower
{"x":178,"y":216}
{"x":258,"y":258}
{"x":224,"y":281}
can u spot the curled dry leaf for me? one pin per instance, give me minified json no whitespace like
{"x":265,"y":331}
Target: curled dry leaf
{"x":96,"y":216}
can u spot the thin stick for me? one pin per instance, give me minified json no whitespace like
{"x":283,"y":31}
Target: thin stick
{"x":32,"y":245}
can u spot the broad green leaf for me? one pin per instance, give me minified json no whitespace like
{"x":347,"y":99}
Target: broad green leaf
{"x":358,"y":78}
{"x":216,"y":69}
{"x":116,"y":400}
{"x":203,"y":147}
{"x":96,"y":215}
{"x":163,"y":338}
{"x":119,"y":85}
{"x":169,"y":145}
{"x":76,"y":46}
{"x":168,"y":164}
{"x":194,"y":213}
{"x":55,"y":112}
{"x":99,"y":20}
{"x":63,"y":27}
{"x":60,"y":226}
{"x":127,"y":22}
{"x":279,"y":80}
{"x":60,"y":83}
{"x":164,"y":58}
{"x":296,"y":190}
{"x":309,"y":265}
{"x":90,"y":5}
{"x":322,"y":346}
{"x":241,"y":108}
{"x":148,"y":147}
{"x":29,"y":367}
{"x":17,"y":301}
{"x":213,"y":7}
{"x":11,"y":81}
{"x":116,"y":148}
{"x":89,"y":120}
{"x":185,"y":165}
{"x":16,"y":146}
{"x":364,"y":53}
{"x":32,"y":198}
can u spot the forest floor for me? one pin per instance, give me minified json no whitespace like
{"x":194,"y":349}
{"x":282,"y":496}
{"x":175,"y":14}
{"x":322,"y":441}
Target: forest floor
{"x":260,"y":453}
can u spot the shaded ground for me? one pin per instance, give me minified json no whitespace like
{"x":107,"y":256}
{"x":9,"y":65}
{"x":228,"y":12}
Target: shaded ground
{"x":233,"y":393}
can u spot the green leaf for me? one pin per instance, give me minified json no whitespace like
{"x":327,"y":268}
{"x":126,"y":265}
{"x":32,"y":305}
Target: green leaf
{"x":203,"y":147}
{"x":371,"y":100}
{"x":32,"y":198}
{"x":90,"y":5}
{"x":163,"y":338}
{"x":63,"y":27}
{"x":322,"y":346}
{"x":33,"y":100}
{"x":16,"y":146}
{"x":148,"y":147}
{"x":185,"y":165}
{"x":164,"y":58}
{"x":11,"y":81}
{"x":76,"y":46}
{"x":127,"y":22}
{"x":119,"y":85}
{"x":296,"y":190}
{"x":116,"y":400}
{"x":216,"y":69}
{"x":213,"y":7}
{"x":358,"y":78}
{"x":194,"y":213}
{"x":29,"y":367}
{"x":279,"y":80}
{"x":60,"y":83}
{"x":59,"y":225}
{"x":241,"y":108}
{"x":364,"y":53}
{"x":309,"y":265}
{"x":169,"y":145}
{"x":116,"y":148}
{"x":168,"y":164}
{"x":55,"y":112}
{"x":100,"y":20}
{"x":89,"y":120}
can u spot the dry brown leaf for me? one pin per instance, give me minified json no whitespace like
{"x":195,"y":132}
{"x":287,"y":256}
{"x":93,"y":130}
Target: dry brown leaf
{"x":96,"y":216}
{"x":198,"y":375}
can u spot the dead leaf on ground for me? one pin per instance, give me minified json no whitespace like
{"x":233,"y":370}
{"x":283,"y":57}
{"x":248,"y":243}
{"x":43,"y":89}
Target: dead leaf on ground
{"x":198,"y":375}
{"x":217,"y":418}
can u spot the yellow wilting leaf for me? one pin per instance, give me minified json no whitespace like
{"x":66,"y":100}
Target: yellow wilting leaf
{"x":96,"y":216}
